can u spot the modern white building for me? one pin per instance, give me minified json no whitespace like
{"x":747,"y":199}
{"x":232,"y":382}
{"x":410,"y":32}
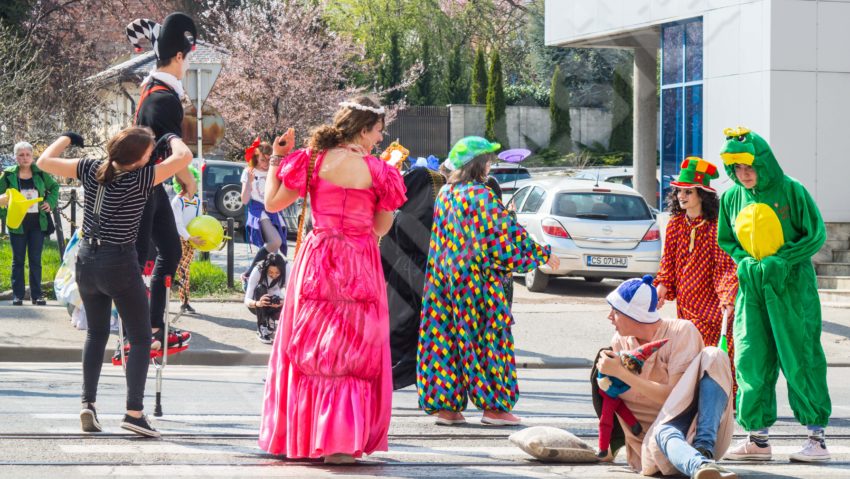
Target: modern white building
{"x":778,"y":67}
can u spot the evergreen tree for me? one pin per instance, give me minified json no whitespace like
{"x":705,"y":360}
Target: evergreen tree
{"x":457,"y":85}
{"x":392,"y":70}
{"x":560,"y":136}
{"x":478,"y":95}
{"x":424,"y":91}
{"x":621,"y":111}
{"x":496,"y":119}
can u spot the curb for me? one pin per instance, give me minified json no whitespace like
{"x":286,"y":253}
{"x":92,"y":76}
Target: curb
{"x":8,"y":294}
{"x":207,"y":357}
{"x":211,"y":357}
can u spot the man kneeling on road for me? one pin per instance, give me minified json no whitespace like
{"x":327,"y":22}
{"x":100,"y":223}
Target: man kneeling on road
{"x":682,"y":395}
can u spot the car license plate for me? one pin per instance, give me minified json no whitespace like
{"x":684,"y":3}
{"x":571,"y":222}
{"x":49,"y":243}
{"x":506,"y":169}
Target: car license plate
{"x":608,"y":261}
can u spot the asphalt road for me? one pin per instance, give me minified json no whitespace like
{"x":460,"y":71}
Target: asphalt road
{"x":212,"y":415}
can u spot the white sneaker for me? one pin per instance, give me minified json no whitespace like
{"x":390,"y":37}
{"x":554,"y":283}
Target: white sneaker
{"x":264,"y":335}
{"x":813,"y":451}
{"x":747,"y":450}
{"x":711,"y":470}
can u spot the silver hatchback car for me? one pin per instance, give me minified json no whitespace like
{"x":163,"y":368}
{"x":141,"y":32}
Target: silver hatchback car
{"x":598,"y":231}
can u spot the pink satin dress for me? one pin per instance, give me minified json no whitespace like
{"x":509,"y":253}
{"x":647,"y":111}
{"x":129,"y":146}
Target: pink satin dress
{"x":329,"y":382}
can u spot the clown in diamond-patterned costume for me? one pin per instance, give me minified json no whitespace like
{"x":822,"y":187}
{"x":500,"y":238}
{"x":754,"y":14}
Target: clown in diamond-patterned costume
{"x":466,"y":347}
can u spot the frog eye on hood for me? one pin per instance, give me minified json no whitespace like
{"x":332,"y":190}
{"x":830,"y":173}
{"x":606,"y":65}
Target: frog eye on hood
{"x":742,"y":138}
{"x":729,"y":137}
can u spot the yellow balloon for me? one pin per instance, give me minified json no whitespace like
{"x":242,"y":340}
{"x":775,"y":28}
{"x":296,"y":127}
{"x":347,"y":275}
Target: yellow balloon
{"x":759,"y":230}
{"x":18,"y":206}
{"x":209,"y":230}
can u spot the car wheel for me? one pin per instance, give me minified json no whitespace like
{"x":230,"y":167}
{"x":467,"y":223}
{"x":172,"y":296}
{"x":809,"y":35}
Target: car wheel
{"x":536,"y":281}
{"x":593,"y":279}
{"x":228,"y":201}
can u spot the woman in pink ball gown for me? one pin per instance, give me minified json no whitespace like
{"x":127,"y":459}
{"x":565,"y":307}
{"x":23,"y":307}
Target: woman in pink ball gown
{"x":329,"y":384}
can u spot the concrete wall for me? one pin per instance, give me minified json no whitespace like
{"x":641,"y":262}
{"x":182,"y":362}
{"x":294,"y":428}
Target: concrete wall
{"x":793,"y":89}
{"x":588,"y":124}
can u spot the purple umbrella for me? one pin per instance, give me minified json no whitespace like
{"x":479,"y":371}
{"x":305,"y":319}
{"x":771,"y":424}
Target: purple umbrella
{"x":514,"y":156}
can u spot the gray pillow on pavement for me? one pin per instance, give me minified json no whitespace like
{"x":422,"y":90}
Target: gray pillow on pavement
{"x":553,"y":444}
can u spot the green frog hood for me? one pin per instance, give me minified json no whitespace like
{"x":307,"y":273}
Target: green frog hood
{"x":747,"y":147}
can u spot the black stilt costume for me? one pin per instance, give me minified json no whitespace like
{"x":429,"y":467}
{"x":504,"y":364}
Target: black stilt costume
{"x":404,"y":254}
{"x":160,"y":108}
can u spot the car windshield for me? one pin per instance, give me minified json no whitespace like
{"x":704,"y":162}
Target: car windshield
{"x":601,"y":206}
{"x":504,"y":176}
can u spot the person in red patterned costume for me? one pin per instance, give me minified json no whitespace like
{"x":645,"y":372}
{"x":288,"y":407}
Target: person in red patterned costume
{"x":694,"y":271}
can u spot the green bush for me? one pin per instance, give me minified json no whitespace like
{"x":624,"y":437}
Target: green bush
{"x":545,"y":157}
{"x":478,"y":92}
{"x":207,"y":279}
{"x":527,"y":94}
{"x":50,"y":260}
{"x":560,"y":136}
{"x":615,"y":158}
{"x":495,"y":115}
{"x":621,"y":110}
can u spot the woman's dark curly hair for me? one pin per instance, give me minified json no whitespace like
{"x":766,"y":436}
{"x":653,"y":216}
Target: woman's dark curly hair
{"x":710,"y":203}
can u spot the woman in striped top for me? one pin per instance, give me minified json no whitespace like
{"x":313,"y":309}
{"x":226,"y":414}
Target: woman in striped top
{"x":116,"y":190}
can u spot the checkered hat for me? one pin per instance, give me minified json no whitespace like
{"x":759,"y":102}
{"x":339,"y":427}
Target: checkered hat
{"x":696,"y":173}
{"x":637,"y":299}
{"x":177,"y":34}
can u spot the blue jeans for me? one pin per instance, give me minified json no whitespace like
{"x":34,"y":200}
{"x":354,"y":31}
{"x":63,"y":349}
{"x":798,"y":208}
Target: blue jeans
{"x":708,"y":408}
{"x":26,"y":245}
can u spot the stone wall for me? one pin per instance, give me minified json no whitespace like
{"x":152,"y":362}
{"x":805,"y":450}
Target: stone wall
{"x":589,"y":125}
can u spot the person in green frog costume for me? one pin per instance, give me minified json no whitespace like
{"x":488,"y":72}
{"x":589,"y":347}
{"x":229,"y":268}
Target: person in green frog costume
{"x":770,"y":225}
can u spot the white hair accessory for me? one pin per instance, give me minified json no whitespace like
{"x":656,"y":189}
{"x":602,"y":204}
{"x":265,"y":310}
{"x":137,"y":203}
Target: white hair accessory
{"x":357,"y":106}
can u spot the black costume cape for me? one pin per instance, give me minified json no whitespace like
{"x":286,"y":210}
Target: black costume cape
{"x":404,"y":254}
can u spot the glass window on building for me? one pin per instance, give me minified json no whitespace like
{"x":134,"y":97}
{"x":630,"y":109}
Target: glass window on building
{"x":680,"y":125}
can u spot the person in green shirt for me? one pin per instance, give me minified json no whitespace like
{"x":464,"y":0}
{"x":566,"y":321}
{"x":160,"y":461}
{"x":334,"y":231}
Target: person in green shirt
{"x":27,"y":240}
{"x":770,"y":225}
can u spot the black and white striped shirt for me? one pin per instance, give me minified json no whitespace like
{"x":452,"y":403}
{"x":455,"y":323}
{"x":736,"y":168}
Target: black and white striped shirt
{"x":123,"y":202}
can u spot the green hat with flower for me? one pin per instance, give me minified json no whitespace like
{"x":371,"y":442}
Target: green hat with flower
{"x":468,"y":148}
{"x":696,"y":173}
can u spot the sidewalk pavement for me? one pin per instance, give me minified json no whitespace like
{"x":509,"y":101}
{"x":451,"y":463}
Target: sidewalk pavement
{"x":563,"y":328}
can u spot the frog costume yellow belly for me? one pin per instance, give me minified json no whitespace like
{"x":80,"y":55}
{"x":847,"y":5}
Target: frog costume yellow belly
{"x":772,"y":230}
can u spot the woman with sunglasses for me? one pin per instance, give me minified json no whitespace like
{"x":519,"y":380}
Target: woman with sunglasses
{"x":694,"y":271}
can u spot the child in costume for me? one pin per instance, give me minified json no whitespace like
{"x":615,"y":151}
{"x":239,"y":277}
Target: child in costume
{"x":185,"y":209}
{"x":610,"y":389}
{"x":116,"y":190}
{"x":161,"y":110}
{"x":263,"y":229}
{"x":771,"y":227}
{"x":465,"y":341}
{"x":694,"y":270}
{"x":264,"y":294}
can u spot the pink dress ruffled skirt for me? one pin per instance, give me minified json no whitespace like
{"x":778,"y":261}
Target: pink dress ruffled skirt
{"x":329,"y":382}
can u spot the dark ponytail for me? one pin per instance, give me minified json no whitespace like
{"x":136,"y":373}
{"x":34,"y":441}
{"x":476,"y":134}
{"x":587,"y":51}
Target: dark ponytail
{"x":106,"y":172}
{"x":123,"y":149}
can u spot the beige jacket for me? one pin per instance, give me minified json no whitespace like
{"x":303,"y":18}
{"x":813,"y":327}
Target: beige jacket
{"x":715,"y":363}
